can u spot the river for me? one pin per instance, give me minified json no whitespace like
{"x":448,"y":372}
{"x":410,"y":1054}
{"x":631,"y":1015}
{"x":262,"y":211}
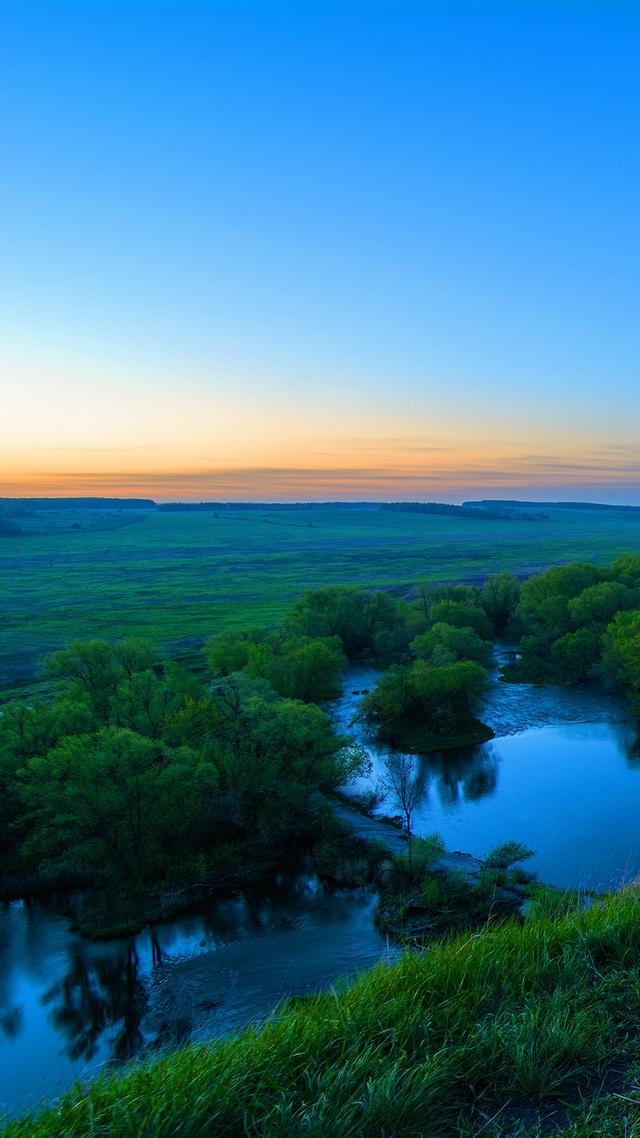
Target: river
{"x":68,"y":1006}
{"x":562,"y":775}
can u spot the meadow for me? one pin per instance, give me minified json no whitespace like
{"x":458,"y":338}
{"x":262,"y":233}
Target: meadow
{"x":180,"y":578}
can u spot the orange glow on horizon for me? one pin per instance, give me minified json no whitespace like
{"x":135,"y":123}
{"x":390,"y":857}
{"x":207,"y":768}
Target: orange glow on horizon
{"x":367,"y":470}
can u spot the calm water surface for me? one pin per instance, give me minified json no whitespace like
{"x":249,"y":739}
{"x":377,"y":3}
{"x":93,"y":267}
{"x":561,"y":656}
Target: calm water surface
{"x":68,"y":1007}
{"x":562,"y":775}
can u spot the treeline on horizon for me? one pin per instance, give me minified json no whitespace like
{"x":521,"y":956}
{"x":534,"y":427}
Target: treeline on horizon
{"x":468,"y":510}
{"x":486,"y":507}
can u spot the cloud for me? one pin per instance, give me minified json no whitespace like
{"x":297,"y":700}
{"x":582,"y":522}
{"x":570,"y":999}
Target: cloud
{"x":527,"y":478}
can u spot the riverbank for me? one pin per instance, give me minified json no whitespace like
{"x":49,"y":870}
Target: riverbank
{"x":501,"y":1031}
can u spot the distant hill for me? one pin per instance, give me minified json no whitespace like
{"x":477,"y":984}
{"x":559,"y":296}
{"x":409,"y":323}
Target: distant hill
{"x":513,"y":503}
{"x":173,"y":507}
{"x":506,"y":511}
{"x":9,"y":504}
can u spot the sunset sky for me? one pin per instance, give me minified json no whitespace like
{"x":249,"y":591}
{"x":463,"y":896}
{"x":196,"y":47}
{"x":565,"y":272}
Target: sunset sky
{"x":323,"y":250}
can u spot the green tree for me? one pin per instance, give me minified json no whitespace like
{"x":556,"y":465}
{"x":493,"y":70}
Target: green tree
{"x":91,"y":669}
{"x":355,"y":616}
{"x":439,"y":700}
{"x":461,"y":616}
{"x":596,"y":606}
{"x":444,"y":644}
{"x":621,"y":656}
{"x":307,"y":669}
{"x":575,"y":656}
{"x":499,"y":598}
{"x":113,"y":805}
{"x":234,"y":651}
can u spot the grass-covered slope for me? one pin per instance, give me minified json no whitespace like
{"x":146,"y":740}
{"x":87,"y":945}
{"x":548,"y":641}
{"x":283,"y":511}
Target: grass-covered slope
{"x":481,"y":1034}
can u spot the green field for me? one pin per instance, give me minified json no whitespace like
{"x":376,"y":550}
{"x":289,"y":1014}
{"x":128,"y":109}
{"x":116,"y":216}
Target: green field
{"x":181,"y":577}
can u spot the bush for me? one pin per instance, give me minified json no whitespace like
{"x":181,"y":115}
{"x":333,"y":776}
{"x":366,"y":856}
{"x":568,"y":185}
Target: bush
{"x":506,"y":855}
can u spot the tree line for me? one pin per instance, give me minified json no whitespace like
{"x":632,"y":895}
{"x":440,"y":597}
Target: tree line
{"x":581,"y":622}
{"x":138,"y":774}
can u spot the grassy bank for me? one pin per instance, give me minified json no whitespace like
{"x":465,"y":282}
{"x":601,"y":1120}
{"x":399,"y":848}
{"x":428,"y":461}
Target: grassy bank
{"x":484,"y":1033}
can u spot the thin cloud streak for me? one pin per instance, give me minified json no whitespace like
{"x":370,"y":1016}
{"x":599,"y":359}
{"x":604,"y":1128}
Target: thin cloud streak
{"x":530,"y":475}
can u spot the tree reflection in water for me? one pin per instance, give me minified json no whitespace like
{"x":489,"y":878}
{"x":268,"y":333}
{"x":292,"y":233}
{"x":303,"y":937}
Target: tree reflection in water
{"x":100,"y":994}
{"x":465,"y":775}
{"x":11,"y":1022}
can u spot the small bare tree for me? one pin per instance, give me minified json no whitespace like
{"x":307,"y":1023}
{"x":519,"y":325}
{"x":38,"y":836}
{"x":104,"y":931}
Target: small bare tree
{"x":401,"y":784}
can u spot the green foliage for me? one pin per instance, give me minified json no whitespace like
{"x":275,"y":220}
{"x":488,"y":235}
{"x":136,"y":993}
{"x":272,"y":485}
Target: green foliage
{"x":445,"y":644}
{"x":499,"y":598}
{"x":621,"y":656}
{"x":91,"y":668}
{"x":507,"y":854}
{"x":356,"y":617}
{"x":307,"y":669}
{"x":575,"y":656}
{"x":297,"y":667}
{"x":549,"y":903}
{"x":461,"y":616}
{"x":136,"y":774}
{"x":427,"y":851}
{"x":596,"y":606}
{"x":236,"y":651}
{"x":439,"y":700}
{"x":113,"y":805}
{"x":579,"y":623}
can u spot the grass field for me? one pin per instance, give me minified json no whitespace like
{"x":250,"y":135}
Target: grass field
{"x":181,"y":577}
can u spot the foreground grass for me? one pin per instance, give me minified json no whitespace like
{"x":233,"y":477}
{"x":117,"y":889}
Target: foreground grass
{"x":486,"y":1033}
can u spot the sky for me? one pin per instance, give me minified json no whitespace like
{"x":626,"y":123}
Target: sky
{"x":325,"y":250}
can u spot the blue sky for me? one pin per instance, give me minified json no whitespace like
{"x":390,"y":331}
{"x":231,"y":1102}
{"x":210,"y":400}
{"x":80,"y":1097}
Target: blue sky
{"x":321,"y":248}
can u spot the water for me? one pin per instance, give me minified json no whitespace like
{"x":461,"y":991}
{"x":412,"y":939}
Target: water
{"x":562,"y":776}
{"x":69,"y":1007}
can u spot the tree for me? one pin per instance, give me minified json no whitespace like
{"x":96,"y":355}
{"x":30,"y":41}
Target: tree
{"x":499,"y":598}
{"x":234,"y":651}
{"x":355,"y":616}
{"x":574,"y":656}
{"x":419,"y":700}
{"x":92,"y":670}
{"x":308,"y":669}
{"x":114,"y":805}
{"x":297,"y":667}
{"x":621,"y":656}
{"x":461,"y":616}
{"x":596,"y":606}
{"x":444,"y":644}
{"x":401,"y":785}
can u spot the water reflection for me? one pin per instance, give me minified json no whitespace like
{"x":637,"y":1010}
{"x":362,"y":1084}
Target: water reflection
{"x":10,"y":1022}
{"x":96,"y":996}
{"x":464,"y":775}
{"x":627,"y":737}
{"x":69,"y":1007}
